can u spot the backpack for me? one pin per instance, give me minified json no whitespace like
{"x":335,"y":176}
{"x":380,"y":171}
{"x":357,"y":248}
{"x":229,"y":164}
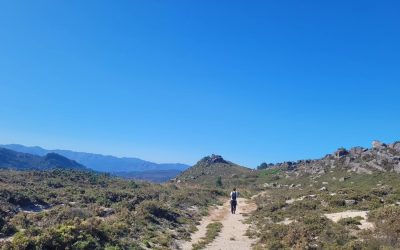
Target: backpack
{"x":234,"y":195}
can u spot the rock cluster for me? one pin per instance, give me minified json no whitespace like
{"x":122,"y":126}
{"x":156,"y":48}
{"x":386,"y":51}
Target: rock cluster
{"x":213,"y":159}
{"x":381,"y":157}
{"x":341,"y":152}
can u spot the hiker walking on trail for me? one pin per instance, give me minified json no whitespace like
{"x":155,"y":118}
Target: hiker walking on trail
{"x":234,"y":195}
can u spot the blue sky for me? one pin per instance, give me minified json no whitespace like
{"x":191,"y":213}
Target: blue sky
{"x":172,"y":81}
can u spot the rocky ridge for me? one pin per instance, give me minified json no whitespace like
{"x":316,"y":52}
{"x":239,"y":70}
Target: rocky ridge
{"x":380,"y":157}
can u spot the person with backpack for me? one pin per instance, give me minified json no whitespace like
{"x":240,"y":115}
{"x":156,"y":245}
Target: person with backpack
{"x":234,"y":195}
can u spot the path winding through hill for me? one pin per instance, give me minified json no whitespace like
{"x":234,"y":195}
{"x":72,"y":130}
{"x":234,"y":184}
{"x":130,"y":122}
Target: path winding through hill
{"x":232,"y":235}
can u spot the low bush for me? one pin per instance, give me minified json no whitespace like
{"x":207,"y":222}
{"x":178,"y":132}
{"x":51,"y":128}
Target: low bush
{"x":94,"y":211}
{"x":351,"y":223}
{"x":387,"y":224}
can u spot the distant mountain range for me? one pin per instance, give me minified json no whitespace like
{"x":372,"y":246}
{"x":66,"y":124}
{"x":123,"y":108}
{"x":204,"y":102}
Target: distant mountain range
{"x":130,"y":167}
{"x":98,"y":162}
{"x":17,"y":160}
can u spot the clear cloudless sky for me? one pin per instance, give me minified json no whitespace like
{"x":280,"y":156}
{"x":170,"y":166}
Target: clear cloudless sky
{"x":173,"y":81}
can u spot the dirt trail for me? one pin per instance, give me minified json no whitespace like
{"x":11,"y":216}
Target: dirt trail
{"x":232,"y":235}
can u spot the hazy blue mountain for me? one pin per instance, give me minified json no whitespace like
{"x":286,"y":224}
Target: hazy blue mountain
{"x":103,"y":163}
{"x":17,"y":160}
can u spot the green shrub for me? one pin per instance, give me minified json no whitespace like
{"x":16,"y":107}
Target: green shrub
{"x":337,"y":201}
{"x":352,"y":223}
{"x":6,"y":229}
{"x":153,"y":209}
{"x":218,"y":182}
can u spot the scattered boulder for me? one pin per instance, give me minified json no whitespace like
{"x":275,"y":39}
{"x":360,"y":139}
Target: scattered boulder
{"x":341,"y":152}
{"x":396,"y":168}
{"x":378,"y":145}
{"x":342,"y":179}
{"x":34,"y":208}
{"x":323,"y":189}
{"x":350,"y":202}
{"x":286,"y":221}
{"x":356,"y":150}
{"x":290,"y":165}
{"x":396,"y":146}
{"x":271,"y":185}
{"x":267,"y":185}
{"x":106,"y":211}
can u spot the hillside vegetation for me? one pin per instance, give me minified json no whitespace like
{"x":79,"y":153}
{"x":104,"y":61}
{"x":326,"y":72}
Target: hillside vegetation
{"x":349,"y":199}
{"x":215,"y":171}
{"x":61,"y":209}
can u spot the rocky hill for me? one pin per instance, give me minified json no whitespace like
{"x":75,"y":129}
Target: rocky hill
{"x":349,"y":199}
{"x":17,"y":160}
{"x":211,"y":168}
{"x":380,"y":157}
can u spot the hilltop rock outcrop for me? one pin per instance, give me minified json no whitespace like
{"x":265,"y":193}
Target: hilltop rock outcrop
{"x":341,"y":152}
{"x":213,"y":159}
{"x":378,"y":145}
{"x":211,"y":167}
{"x":381,"y":157}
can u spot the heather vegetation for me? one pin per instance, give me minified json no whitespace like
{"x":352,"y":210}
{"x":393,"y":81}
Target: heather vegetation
{"x":61,"y":209}
{"x":347,"y":200}
{"x":298,"y":210}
